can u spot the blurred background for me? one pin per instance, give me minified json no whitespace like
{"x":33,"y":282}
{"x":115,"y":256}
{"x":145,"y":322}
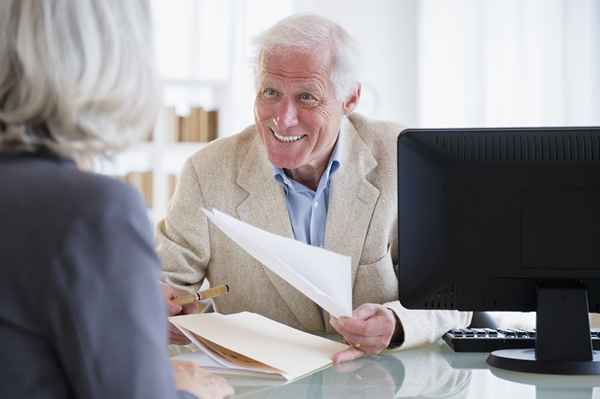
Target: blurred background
{"x":426,"y":63}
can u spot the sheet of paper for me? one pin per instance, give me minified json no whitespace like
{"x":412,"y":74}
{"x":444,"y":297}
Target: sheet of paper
{"x":292,"y":351}
{"x":323,"y":276}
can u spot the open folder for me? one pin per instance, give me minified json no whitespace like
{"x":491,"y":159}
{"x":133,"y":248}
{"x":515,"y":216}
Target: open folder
{"x":323,"y":276}
{"x":248,"y":342}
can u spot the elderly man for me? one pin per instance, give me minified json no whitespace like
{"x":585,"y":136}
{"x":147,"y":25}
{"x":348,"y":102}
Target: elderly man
{"x":311,"y":169}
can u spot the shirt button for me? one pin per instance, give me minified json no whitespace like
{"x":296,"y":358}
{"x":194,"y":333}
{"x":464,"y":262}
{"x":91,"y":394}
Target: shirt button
{"x":316,"y":203}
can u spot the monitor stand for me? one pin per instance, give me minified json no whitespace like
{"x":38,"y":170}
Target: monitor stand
{"x":563,"y":342}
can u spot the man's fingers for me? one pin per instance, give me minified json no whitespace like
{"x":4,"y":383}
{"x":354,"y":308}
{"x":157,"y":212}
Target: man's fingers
{"x":365,"y":311}
{"x":370,"y":345}
{"x":169,"y":294}
{"x":351,"y":325}
{"x":347,"y":355}
{"x":176,"y":337}
{"x":371,"y":335}
{"x":194,"y":307}
{"x":179,"y":341}
{"x":173,"y":308}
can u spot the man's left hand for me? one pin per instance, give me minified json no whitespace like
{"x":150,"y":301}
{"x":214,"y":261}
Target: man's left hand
{"x":369,"y":331}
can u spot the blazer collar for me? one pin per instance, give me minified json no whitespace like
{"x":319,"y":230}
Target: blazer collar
{"x":352,"y":198}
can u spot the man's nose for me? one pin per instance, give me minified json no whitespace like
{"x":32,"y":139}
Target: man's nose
{"x":287,"y":115}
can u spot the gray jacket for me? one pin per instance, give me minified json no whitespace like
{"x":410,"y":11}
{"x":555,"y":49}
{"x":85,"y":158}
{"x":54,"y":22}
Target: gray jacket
{"x":81,"y":314}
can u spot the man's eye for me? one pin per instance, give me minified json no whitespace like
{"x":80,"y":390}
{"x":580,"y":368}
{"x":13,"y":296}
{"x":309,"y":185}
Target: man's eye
{"x":269,"y":93}
{"x":307,"y":98}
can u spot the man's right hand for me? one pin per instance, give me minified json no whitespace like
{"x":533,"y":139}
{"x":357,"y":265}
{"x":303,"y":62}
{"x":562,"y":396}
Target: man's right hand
{"x":169,"y":294}
{"x":194,"y":379}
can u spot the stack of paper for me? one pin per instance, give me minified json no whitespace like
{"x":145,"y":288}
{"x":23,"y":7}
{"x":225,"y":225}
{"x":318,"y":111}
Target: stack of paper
{"x":248,"y":342}
{"x":323,"y":276}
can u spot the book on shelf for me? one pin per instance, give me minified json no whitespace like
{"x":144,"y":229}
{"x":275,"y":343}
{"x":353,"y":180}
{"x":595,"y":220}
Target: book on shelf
{"x":212,"y":125}
{"x":200,"y":125}
{"x":251,"y":344}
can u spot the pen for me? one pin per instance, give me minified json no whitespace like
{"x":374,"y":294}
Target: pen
{"x":202,"y":295}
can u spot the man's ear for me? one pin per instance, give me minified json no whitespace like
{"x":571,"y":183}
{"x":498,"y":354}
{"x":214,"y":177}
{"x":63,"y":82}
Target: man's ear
{"x":352,"y":100}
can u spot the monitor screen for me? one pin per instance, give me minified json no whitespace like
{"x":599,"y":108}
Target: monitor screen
{"x":489,"y":217}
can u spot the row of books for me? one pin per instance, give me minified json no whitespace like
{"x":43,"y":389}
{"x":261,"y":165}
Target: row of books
{"x":199,"y":126}
{"x":143,"y":182}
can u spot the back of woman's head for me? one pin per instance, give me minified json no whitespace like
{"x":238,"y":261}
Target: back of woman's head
{"x":77,"y":78}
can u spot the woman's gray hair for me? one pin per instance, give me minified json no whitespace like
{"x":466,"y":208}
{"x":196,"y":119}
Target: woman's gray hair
{"x":77,"y":78}
{"x":308,"y":32}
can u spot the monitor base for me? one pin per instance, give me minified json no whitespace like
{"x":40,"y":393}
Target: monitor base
{"x":524,"y":360}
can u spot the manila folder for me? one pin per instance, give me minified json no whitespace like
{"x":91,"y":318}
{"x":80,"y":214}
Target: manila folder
{"x":255,"y":339}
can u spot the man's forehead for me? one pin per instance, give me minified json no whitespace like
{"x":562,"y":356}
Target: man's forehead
{"x":296,"y":60}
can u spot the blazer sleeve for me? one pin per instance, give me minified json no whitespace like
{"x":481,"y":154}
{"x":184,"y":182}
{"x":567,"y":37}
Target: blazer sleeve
{"x":182,"y":238}
{"x":422,"y":327}
{"x":108,"y":319}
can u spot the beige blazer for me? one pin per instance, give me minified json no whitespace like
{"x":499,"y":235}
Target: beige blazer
{"x":234,"y":175}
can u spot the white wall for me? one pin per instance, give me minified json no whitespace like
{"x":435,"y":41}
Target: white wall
{"x":209,"y":41}
{"x":386,"y":33}
{"x":248,"y":18}
{"x":508,"y":63}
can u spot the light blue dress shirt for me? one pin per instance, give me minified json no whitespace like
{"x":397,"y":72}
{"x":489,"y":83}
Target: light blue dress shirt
{"x":307,"y":209}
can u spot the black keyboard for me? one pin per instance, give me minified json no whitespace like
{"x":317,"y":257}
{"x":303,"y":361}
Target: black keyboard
{"x":490,"y":339}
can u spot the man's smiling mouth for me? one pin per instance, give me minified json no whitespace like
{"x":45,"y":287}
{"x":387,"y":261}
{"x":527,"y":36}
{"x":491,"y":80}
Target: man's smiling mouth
{"x":286,"y":139}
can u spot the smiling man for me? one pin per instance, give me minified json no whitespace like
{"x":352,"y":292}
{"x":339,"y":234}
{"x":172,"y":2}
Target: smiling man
{"x":297,"y":112}
{"x":312,"y":169}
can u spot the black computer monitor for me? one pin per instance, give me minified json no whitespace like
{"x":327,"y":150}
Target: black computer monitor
{"x":505,"y":219}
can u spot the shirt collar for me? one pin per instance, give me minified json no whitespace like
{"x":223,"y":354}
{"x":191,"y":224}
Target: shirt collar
{"x":332,"y":166}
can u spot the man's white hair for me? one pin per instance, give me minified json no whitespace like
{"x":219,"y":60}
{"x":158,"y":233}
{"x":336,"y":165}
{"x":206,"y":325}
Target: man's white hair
{"x":307,"y":32}
{"x":77,"y":78}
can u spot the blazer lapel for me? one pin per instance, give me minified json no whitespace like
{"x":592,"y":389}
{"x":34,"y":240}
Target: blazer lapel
{"x":265,"y":208}
{"x":352,"y":198}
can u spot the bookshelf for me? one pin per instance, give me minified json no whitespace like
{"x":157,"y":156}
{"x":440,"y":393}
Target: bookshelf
{"x":187,"y":122}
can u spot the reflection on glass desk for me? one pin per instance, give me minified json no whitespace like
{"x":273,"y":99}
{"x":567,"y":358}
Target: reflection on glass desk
{"x":428,"y":372}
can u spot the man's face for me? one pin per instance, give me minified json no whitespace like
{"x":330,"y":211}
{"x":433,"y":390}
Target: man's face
{"x":296,"y":112}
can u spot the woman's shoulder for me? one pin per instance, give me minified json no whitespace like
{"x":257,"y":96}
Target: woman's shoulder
{"x":59,"y":187}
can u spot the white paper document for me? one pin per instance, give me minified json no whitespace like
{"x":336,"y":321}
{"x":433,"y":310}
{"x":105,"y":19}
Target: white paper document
{"x":248,"y":343}
{"x":323,"y":276}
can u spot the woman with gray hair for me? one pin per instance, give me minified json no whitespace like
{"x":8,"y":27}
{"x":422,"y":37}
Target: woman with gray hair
{"x":81,"y":314}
